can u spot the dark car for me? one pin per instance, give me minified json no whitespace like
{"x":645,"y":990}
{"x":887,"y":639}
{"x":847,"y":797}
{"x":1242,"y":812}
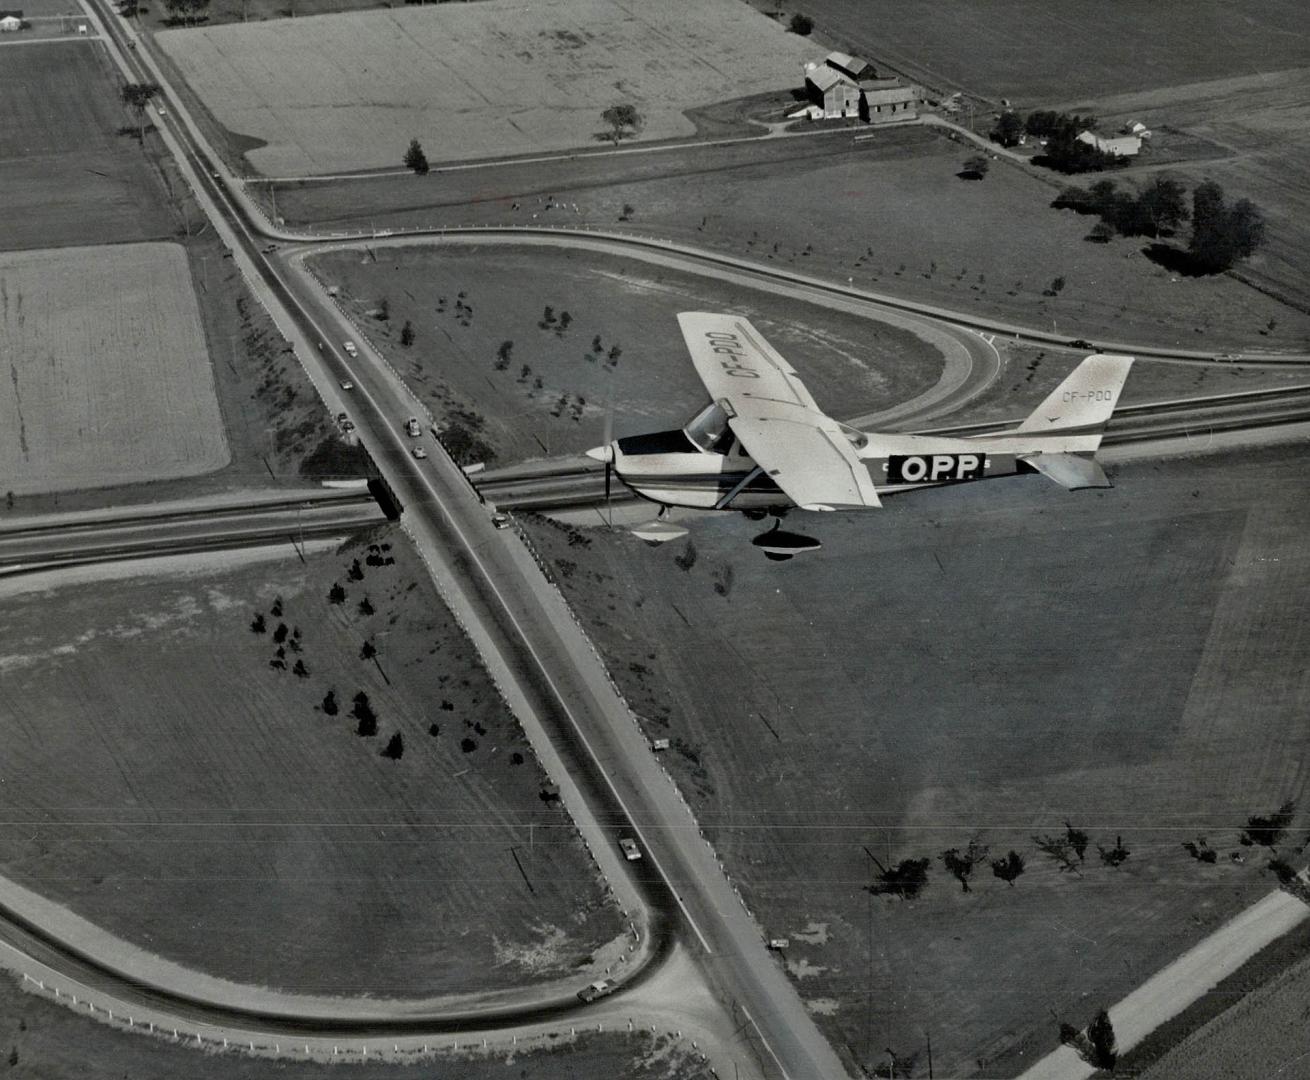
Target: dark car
{"x":1081,"y":343}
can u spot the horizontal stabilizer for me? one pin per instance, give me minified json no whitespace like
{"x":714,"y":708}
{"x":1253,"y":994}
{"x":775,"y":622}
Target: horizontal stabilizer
{"x":1070,"y":470}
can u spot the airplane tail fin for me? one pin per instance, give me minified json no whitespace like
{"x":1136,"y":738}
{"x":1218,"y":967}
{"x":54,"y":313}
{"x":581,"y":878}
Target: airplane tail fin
{"x":1084,"y":401}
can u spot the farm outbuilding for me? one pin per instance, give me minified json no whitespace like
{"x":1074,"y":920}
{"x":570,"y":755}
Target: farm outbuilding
{"x":10,"y":21}
{"x":844,"y":85}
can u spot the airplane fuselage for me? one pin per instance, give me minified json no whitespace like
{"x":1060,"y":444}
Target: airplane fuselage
{"x":668,"y":468}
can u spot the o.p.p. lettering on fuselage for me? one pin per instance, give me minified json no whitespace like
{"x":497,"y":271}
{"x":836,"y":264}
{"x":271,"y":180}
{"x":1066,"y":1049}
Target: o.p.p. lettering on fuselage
{"x":731,"y":354}
{"x":934,"y":468}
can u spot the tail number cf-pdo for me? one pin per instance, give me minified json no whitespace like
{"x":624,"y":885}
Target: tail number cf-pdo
{"x":934,"y":468}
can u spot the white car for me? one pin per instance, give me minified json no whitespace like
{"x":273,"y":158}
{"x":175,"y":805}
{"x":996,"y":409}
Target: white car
{"x":419,"y":452}
{"x":412,"y":429}
{"x":630,"y":850}
{"x":349,"y":346}
{"x":346,"y":384}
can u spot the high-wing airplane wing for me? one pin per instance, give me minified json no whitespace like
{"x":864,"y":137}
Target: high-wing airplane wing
{"x":735,"y":362}
{"x":804,"y":451}
{"x":813,"y":463}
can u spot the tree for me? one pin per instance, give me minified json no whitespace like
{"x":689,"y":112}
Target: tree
{"x":368,"y":651}
{"x":257,"y":625}
{"x":280,"y":634}
{"x":1008,"y":129}
{"x":1008,"y":868}
{"x":395,"y":748}
{"x":330,"y":703}
{"x":336,"y":594}
{"x":1100,"y":1034}
{"x":1221,"y":234}
{"x":1056,"y":287}
{"x":407,"y":334}
{"x":1057,"y":847}
{"x":136,"y":96}
{"x":1102,"y":233}
{"x":1268,"y":831}
{"x":975,"y":168}
{"x":906,"y":879}
{"x":300,"y":669}
{"x":415,"y":159}
{"x":1077,"y":840}
{"x":623,"y":120}
{"x":628,"y":211}
{"x":384,"y":310}
{"x":363,"y":712}
{"x":1162,"y":204}
{"x":961,"y":863}
{"x":801,"y":24}
{"x":1115,"y":855}
{"x":366,"y":606}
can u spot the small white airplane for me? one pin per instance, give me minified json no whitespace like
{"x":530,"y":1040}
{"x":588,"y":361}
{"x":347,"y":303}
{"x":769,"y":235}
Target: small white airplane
{"x":762,"y":445}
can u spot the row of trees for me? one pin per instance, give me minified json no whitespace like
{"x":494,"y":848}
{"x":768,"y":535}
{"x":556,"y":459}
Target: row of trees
{"x":1222,"y":232}
{"x":1063,"y":150}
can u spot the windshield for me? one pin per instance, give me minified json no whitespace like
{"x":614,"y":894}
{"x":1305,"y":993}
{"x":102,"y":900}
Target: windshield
{"x":709,"y":430}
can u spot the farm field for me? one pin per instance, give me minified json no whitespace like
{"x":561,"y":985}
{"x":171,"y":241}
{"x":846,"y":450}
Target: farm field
{"x":989,"y":663}
{"x":895,"y":218}
{"x":68,"y":176}
{"x":1262,"y":1030}
{"x":491,"y":79}
{"x":1032,"y":52}
{"x":1261,"y":126}
{"x":108,"y":379}
{"x":164,"y":758}
{"x":619,"y":348}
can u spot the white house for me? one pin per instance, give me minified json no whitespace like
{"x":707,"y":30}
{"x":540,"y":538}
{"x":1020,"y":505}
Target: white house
{"x":10,"y":23}
{"x":1123,"y":146}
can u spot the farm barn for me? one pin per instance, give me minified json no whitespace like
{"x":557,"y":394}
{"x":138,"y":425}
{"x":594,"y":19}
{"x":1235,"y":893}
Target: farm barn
{"x":844,"y":85}
{"x":10,"y":21}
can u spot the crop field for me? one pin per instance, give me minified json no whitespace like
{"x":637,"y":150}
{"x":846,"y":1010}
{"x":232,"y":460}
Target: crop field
{"x":895,"y":217}
{"x":170,"y":760}
{"x":991,"y":663}
{"x":68,"y":176}
{"x":482,"y":343}
{"x":108,"y":380}
{"x":1260,"y":127}
{"x":1260,"y":1034}
{"x":1033,"y":52}
{"x":489,"y":79}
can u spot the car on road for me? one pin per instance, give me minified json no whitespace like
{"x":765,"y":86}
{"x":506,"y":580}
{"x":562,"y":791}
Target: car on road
{"x":349,"y":346}
{"x":412,"y":429}
{"x":595,"y":990}
{"x":342,"y":418}
{"x":346,"y":384}
{"x":501,"y":521}
{"x":630,"y":850}
{"x":347,"y":425}
{"x":1081,"y":343}
{"x":419,"y":452}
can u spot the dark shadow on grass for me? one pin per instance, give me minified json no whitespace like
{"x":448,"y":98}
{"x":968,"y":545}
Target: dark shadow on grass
{"x":1177,"y":261}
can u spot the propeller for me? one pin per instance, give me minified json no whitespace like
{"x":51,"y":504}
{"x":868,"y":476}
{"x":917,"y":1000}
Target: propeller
{"x":609,"y":463}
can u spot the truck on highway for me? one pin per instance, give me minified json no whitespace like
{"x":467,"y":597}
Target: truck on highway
{"x":412,"y":429}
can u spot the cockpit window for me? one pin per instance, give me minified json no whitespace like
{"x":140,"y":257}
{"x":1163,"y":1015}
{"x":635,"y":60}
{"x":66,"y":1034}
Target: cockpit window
{"x":709,"y":431}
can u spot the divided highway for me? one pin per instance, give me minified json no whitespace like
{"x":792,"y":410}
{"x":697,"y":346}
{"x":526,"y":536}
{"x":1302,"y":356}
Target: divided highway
{"x":547,"y":670}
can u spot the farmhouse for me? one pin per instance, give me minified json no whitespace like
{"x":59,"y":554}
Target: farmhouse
{"x":845,"y":85}
{"x":1123,"y":146}
{"x":10,"y":21}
